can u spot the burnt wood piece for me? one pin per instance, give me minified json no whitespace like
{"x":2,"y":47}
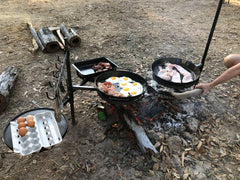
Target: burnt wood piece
{"x":48,"y":39}
{"x":143,"y":140}
{"x":7,"y":79}
{"x":35,"y":36}
{"x":71,"y":36}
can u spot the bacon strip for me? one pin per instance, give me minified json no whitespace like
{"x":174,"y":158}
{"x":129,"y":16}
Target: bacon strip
{"x":109,"y":88}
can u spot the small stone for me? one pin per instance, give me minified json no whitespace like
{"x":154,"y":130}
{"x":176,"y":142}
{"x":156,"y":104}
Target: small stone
{"x":201,"y":176}
{"x":176,"y":162}
{"x":138,"y":174}
{"x":155,"y":166}
{"x":192,"y":124}
{"x":151,"y":172}
{"x":175,"y":143}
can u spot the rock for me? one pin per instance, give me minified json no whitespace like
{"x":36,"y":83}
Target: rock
{"x":151,"y":172}
{"x":190,"y":138}
{"x":138,"y":174}
{"x":175,"y":143}
{"x":187,"y":136}
{"x":155,"y":166}
{"x":153,"y":135}
{"x":176,"y":162}
{"x":192,"y":124}
{"x":201,"y":176}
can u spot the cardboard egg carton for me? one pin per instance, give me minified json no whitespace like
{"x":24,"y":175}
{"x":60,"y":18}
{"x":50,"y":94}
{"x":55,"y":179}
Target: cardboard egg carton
{"x":45,"y":134}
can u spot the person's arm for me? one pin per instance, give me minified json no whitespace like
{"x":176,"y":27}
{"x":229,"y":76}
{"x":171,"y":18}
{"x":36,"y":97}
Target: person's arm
{"x":225,"y":76}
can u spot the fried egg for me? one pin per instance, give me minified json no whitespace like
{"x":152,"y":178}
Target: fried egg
{"x":137,"y":85}
{"x":125,"y":91}
{"x":124,"y":84}
{"x":113,"y":80}
{"x":135,"y":92}
{"x":125,"y":79}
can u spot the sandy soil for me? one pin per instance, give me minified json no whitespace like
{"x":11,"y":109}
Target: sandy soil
{"x":132,"y":34}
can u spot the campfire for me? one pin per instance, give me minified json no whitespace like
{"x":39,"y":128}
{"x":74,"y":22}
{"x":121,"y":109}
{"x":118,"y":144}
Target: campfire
{"x":155,"y":117}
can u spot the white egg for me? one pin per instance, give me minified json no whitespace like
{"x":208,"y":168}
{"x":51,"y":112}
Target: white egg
{"x":125,"y":79}
{"x":125,"y":91}
{"x":113,"y":79}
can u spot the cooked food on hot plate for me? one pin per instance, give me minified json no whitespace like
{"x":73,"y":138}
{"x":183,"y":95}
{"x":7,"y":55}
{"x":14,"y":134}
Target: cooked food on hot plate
{"x":174,"y":73}
{"x":125,"y":79}
{"x":113,"y":79}
{"x":125,"y":91}
{"x":109,"y":88}
{"x":121,"y":87}
{"x":102,"y":66}
{"x":176,"y":77}
{"x":187,"y":78}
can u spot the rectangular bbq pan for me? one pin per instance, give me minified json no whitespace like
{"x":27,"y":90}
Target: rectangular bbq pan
{"x":84,"y":68}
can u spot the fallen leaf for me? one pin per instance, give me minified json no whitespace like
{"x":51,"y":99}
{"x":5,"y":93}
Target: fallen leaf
{"x":151,"y":172}
{"x":192,"y":153}
{"x":199,"y":145}
{"x":183,"y":155}
{"x":155,"y":159}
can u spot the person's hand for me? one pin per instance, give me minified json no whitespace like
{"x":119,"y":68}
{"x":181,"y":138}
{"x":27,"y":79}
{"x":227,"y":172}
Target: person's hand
{"x":204,"y":86}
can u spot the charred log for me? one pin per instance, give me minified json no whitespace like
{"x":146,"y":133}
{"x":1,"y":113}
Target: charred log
{"x":7,"y":79}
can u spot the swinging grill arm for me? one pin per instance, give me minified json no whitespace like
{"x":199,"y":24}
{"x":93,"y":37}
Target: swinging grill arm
{"x":200,"y":66}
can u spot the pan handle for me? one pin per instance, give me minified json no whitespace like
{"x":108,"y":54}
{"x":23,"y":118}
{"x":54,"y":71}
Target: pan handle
{"x":211,"y":33}
{"x":91,"y":88}
{"x":187,"y":94}
{"x":124,"y":69}
{"x":200,"y":66}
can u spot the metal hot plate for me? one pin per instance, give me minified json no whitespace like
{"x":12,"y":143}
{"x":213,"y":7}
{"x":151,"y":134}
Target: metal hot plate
{"x":85,"y":68}
{"x":62,"y":125}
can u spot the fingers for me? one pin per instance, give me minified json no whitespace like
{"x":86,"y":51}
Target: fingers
{"x":202,"y":86}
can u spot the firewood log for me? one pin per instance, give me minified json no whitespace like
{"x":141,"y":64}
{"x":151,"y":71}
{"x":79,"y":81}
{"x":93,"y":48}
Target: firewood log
{"x":48,"y":39}
{"x":35,"y":36}
{"x":7,"y":79}
{"x":143,"y":140}
{"x":71,"y":36}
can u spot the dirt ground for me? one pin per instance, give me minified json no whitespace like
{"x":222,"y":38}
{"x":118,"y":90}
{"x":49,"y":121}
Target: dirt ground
{"x":132,"y":34}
